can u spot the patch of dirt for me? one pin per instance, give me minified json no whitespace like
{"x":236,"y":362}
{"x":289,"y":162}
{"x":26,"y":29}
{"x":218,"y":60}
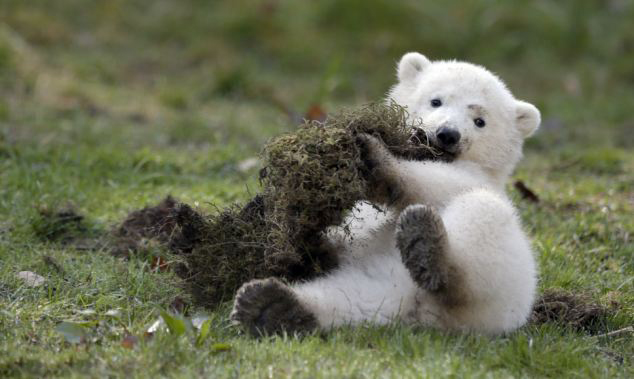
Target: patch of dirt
{"x":577,"y":311}
{"x":135,"y":233}
{"x":142,"y":229}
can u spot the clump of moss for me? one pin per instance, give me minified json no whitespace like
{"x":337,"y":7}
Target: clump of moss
{"x":312,"y":178}
{"x":220,"y":251}
{"x":314,"y":175}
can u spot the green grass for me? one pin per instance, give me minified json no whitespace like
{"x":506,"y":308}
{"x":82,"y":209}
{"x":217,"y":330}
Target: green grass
{"x":112,"y":105}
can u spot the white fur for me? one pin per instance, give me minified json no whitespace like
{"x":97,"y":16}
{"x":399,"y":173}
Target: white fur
{"x":486,"y":242}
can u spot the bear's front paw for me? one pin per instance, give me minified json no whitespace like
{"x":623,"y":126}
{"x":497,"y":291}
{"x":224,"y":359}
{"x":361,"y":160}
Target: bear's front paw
{"x":422,"y":239}
{"x":266,"y":307}
{"x":378,"y":169}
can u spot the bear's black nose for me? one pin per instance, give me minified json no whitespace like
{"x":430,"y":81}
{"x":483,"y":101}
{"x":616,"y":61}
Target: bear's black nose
{"x":447,"y":137}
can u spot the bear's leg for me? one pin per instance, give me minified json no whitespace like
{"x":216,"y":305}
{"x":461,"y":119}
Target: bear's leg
{"x":492,"y":275}
{"x":473,"y":258}
{"x":422,"y":240}
{"x":264,"y":307}
{"x":377,"y":289}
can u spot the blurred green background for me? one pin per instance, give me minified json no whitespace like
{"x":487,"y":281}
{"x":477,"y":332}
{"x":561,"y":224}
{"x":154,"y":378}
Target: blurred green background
{"x":186,"y":62}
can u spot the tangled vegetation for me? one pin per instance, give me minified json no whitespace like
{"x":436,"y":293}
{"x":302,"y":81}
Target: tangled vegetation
{"x":312,"y":178}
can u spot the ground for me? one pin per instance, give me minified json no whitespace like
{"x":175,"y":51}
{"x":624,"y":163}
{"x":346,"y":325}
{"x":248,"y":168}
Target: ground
{"x":112,"y":106}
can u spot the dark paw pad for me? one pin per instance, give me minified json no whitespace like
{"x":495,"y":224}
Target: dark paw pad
{"x":266,"y":307}
{"x":422,"y":240}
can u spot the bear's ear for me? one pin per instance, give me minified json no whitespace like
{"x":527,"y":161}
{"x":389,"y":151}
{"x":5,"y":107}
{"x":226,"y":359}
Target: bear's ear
{"x":411,"y":65}
{"x":527,"y":118}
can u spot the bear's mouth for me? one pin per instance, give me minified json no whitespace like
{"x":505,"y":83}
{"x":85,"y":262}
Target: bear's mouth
{"x":421,"y":137}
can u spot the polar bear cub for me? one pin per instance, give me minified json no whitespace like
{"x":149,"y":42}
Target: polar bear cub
{"x":448,"y":251}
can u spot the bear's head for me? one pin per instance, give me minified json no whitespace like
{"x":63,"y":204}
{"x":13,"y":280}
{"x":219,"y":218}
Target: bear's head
{"x":466,"y":110}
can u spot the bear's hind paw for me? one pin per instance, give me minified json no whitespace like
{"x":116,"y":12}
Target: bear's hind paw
{"x":268,"y":306}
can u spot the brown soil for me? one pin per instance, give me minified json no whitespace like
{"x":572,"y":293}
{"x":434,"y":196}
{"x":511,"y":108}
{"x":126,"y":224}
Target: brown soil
{"x":577,"y":311}
{"x":150,"y":223}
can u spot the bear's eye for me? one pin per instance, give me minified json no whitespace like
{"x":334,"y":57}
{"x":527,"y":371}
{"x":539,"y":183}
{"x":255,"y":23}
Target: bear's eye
{"x":479,"y":122}
{"x":436,"y":103}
